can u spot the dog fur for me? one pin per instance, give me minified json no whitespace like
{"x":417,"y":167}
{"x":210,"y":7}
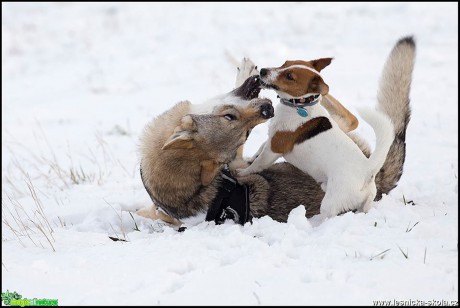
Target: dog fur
{"x":168,"y":176}
{"x":182,"y":151}
{"x":315,"y":143}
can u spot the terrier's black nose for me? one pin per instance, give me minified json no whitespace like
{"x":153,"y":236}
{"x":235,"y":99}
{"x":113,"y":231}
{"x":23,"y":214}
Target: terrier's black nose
{"x":263,"y":72}
{"x":267,"y":111}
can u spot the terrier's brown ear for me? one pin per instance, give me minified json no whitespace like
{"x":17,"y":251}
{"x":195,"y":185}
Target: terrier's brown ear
{"x":209,"y":169}
{"x":319,"y":64}
{"x":317,"y":85}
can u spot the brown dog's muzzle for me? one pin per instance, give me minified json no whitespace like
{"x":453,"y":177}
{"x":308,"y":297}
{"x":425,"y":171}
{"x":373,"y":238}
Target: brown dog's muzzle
{"x":262,"y":109}
{"x":267,"y":111}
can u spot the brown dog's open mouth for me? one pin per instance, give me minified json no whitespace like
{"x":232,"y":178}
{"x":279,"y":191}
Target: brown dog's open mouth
{"x":250,"y":88}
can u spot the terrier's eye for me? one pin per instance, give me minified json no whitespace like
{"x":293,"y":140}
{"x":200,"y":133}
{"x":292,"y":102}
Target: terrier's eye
{"x":289,"y":76}
{"x":230,"y":117}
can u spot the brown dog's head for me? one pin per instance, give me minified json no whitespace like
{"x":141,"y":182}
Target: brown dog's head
{"x":295,"y":79}
{"x":214,"y":138}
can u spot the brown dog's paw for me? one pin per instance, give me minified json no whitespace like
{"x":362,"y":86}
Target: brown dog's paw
{"x":246,"y":69}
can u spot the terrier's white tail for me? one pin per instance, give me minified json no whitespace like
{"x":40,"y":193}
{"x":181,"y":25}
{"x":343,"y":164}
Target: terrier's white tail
{"x":384,"y":132}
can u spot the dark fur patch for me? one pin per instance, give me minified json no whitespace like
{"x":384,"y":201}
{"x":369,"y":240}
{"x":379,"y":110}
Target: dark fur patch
{"x":312,"y":128}
{"x":280,"y":188}
{"x":284,"y":141}
{"x":250,"y":88}
{"x":409,"y":40}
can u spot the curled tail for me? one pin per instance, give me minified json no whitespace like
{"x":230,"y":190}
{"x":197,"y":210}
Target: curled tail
{"x":384,"y":132}
{"x":393,"y":100}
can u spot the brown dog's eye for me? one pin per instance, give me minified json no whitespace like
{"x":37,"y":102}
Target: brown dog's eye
{"x":289,"y":76}
{"x":230,"y":117}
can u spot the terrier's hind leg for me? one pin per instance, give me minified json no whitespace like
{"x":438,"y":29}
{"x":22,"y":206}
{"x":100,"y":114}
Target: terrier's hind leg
{"x":329,"y":205}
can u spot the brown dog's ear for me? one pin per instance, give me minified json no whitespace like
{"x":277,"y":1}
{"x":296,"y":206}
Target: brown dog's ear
{"x":317,"y":85}
{"x":209,"y":169}
{"x":182,"y":138}
{"x":179,"y":140}
{"x":319,"y":64}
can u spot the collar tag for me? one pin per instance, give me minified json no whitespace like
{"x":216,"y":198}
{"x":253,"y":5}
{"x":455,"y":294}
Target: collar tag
{"x":302,"y":112}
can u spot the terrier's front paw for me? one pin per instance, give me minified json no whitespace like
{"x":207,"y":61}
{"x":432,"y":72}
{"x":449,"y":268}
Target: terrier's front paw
{"x":246,"y":69}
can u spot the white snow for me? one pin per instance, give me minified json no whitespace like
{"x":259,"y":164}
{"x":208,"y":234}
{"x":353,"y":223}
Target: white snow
{"x":80,"y":81}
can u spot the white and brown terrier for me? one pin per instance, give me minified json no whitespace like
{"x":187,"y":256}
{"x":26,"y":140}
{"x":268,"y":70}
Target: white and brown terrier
{"x":309,"y":138}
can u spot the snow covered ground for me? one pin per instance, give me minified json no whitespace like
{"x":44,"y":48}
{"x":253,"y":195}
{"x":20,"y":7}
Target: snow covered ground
{"x":80,"y":81}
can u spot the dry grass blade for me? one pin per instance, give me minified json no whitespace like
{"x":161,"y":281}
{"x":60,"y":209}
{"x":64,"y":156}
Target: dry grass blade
{"x":383,"y":253}
{"x":408,"y":230}
{"x":406,"y":255}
